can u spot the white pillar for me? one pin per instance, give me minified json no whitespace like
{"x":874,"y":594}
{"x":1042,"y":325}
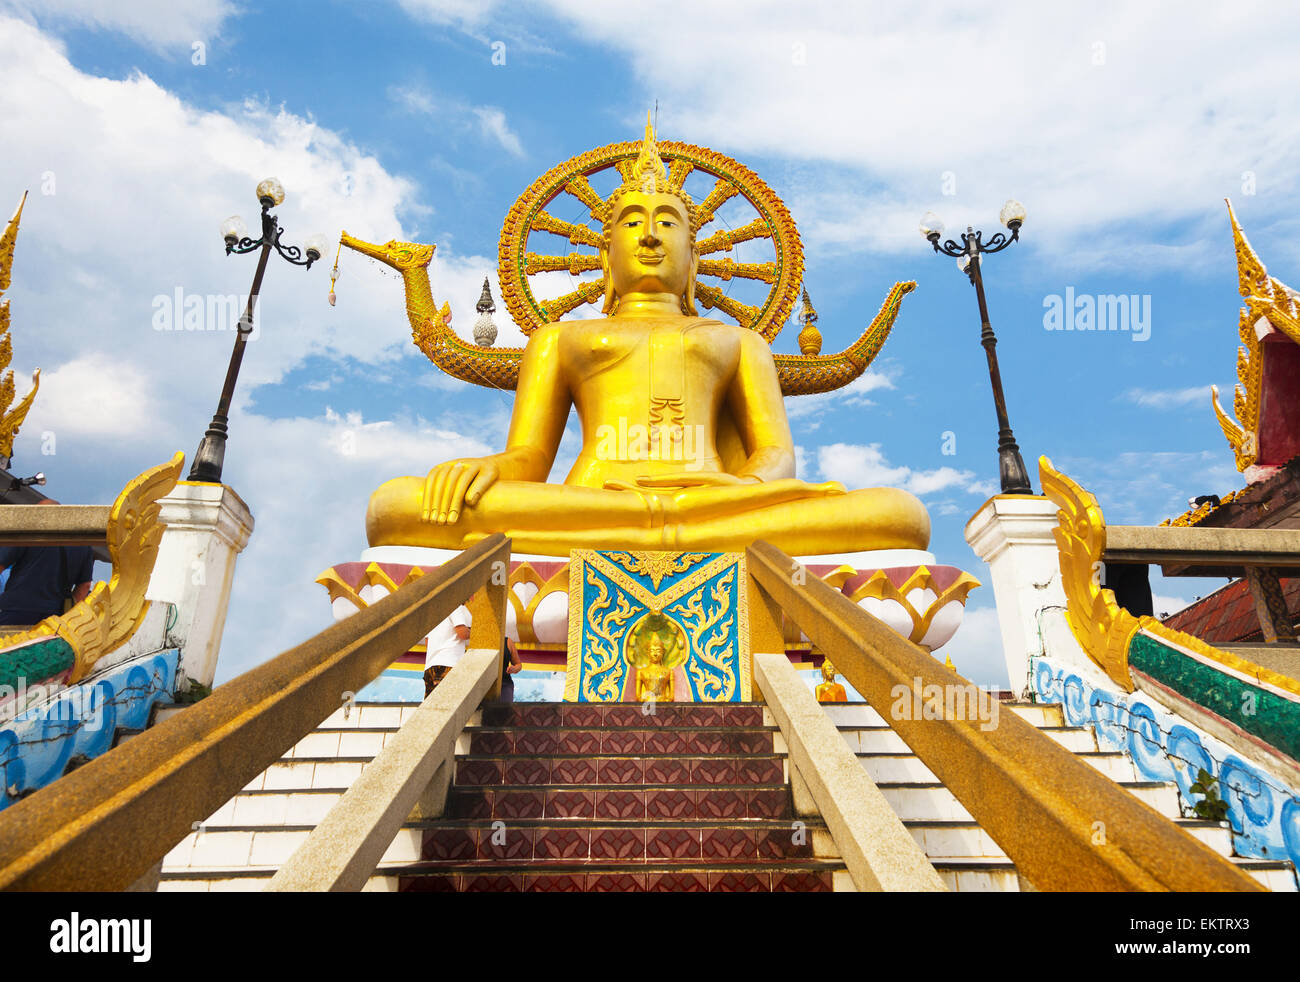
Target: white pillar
{"x":208,"y":526}
{"x":1013,"y":534}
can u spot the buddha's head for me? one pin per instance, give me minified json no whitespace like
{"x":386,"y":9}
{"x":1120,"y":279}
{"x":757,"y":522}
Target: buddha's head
{"x":655,"y":651}
{"x":828,"y":670}
{"x":648,"y":242}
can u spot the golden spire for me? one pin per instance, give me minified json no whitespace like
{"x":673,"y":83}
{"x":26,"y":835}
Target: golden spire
{"x":1252,"y":278}
{"x":1272,"y":301}
{"x":649,"y":172}
{"x":810,"y":339}
{"x":10,"y":421}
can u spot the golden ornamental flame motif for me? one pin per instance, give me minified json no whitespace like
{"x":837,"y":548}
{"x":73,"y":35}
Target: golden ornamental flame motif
{"x":112,"y":612}
{"x":1268,"y":299}
{"x":10,"y":420}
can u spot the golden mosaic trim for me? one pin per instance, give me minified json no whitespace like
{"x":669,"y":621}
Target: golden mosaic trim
{"x":1104,"y":629}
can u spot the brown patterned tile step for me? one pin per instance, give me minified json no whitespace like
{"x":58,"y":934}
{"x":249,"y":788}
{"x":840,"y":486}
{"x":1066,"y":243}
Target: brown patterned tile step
{"x":630,"y":715}
{"x":640,"y":740}
{"x":538,"y":844}
{"x":620,"y":804}
{"x":621,"y":771}
{"x":812,"y":876}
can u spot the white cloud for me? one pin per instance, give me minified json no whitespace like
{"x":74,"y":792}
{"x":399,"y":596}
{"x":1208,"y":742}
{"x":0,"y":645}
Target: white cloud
{"x":1196,"y":395}
{"x":161,"y":24}
{"x":858,"y":466}
{"x":854,"y":394}
{"x":1083,"y":114}
{"x":492,"y":122}
{"x":489,"y":121}
{"x":976,"y":648}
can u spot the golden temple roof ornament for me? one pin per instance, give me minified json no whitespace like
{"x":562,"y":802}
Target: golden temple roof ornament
{"x":1270,"y":316}
{"x":10,"y":420}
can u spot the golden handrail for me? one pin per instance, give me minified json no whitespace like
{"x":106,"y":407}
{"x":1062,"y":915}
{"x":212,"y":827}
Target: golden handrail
{"x":1063,"y":824}
{"x":107,"y":824}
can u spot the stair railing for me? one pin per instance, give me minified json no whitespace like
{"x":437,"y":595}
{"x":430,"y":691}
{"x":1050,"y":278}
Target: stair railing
{"x":1063,"y":824}
{"x":108,"y":825}
{"x":411,"y":775}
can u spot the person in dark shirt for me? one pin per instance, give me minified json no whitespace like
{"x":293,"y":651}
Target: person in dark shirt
{"x":41,"y":578}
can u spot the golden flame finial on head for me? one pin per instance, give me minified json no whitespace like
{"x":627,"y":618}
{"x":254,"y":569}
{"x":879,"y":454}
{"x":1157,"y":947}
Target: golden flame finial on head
{"x":648,"y":175}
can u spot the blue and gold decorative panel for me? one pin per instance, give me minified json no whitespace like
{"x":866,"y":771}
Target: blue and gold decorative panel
{"x":668,"y":626}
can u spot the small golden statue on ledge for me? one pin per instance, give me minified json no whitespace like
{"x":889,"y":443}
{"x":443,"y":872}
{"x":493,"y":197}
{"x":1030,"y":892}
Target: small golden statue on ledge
{"x":654,"y":679}
{"x":830,"y":690}
{"x":685,"y":442}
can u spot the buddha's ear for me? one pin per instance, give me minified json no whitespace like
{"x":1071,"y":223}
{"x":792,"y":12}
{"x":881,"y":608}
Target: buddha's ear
{"x":611,"y":298}
{"x":688,"y":301}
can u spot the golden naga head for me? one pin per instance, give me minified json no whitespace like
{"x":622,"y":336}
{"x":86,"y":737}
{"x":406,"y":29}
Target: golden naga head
{"x":648,"y":233}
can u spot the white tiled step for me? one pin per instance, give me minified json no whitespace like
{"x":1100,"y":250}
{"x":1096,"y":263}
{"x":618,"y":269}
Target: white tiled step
{"x":861,"y":714}
{"x":883,"y":740}
{"x":235,"y":849}
{"x":919,"y":801}
{"x":216,"y":883}
{"x":903,"y":768}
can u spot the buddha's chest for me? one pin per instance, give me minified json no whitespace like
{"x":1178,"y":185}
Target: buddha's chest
{"x":670,"y":361}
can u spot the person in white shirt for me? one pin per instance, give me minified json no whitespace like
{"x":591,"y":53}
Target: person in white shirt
{"x":446,"y":643}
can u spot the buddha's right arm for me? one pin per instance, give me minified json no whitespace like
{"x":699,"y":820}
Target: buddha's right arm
{"x":536,"y":426}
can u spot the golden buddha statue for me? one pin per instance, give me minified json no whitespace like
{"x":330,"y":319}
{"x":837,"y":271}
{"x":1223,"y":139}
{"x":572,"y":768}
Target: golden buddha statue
{"x":685,"y":442}
{"x":830,"y":690}
{"x":654,"y":679}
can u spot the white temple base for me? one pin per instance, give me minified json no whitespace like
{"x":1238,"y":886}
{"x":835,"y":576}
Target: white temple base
{"x":875,"y":559}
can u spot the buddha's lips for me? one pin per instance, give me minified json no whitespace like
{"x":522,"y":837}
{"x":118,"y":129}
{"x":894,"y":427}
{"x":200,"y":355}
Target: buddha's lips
{"x":650,"y":259}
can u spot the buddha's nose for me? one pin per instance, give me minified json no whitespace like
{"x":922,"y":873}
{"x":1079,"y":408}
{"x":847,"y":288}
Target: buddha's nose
{"x":649,"y":239}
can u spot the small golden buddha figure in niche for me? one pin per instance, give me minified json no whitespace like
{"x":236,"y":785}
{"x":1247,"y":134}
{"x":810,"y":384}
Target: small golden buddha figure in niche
{"x":830,"y":690}
{"x":651,"y":364}
{"x":654,"y":679}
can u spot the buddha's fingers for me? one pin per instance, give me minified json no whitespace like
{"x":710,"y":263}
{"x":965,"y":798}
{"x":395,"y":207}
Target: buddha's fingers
{"x":454,"y":475}
{"x":487,"y":476}
{"x":432,"y":484}
{"x":439,"y":488}
{"x":457,"y":496}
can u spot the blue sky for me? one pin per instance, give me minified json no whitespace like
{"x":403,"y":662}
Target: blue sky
{"x":1121,"y":130}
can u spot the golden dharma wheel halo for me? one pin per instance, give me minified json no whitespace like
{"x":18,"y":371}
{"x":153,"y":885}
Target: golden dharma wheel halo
{"x":529,"y":214}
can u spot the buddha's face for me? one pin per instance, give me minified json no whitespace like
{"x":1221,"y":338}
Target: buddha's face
{"x":656,"y":652}
{"x":651,"y":248}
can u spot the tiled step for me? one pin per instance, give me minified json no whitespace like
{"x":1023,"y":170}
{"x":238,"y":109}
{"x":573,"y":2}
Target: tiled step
{"x":640,"y":740}
{"x":810,"y":876}
{"x":587,"y":803}
{"x":586,"y":715}
{"x":622,"y":771}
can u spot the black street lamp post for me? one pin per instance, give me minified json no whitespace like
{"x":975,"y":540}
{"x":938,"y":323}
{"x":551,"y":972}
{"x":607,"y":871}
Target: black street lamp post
{"x":1015,"y":479}
{"x":211,"y":455}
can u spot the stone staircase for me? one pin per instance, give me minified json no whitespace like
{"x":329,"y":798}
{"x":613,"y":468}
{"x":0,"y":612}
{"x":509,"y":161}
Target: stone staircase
{"x":582,"y":797}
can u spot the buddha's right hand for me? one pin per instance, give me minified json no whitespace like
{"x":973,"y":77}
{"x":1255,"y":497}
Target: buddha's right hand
{"x":453,"y":484}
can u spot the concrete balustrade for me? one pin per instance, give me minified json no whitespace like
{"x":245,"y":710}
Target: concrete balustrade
{"x":875,"y":845}
{"x":1063,"y":824}
{"x":343,"y":850}
{"x":109,"y":823}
